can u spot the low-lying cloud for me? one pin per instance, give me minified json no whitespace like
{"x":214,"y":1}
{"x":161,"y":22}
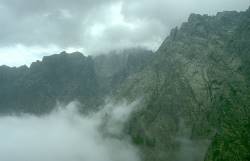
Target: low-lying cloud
{"x":67,"y":135}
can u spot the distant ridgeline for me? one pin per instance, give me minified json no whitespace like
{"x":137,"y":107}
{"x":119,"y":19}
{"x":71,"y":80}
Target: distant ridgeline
{"x":195,"y":89}
{"x":66,"y":77}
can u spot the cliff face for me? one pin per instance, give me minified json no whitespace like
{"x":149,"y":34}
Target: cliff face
{"x":116,"y":67}
{"x":196,"y":92}
{"x":231,"y":141}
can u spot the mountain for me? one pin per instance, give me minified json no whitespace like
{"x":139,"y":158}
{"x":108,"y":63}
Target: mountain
{"x":66,"y":77}
{"x":37,"y":89}
{"x":194,"y":90}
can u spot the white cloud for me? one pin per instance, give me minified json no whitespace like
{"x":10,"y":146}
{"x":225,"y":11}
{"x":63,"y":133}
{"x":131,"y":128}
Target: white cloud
{"x":95,"y":26}
{"x":66,"y":135}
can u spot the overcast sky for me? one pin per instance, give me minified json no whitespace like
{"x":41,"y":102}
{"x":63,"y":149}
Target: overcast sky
{"x":31,"y":29}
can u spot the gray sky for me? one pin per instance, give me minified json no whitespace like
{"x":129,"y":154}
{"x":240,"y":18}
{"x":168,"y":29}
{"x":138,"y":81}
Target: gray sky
{"x":31,"y":29}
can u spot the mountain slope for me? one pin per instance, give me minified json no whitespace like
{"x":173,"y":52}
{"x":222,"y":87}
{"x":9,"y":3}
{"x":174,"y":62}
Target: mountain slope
{"x":196,"y":92}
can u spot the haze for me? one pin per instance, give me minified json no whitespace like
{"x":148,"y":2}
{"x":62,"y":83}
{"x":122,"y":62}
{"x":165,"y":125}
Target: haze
{"x":67,"y":135}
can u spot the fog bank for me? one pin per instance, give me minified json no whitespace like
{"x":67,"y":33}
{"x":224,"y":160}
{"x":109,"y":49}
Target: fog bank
{"x":66,"y":135}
